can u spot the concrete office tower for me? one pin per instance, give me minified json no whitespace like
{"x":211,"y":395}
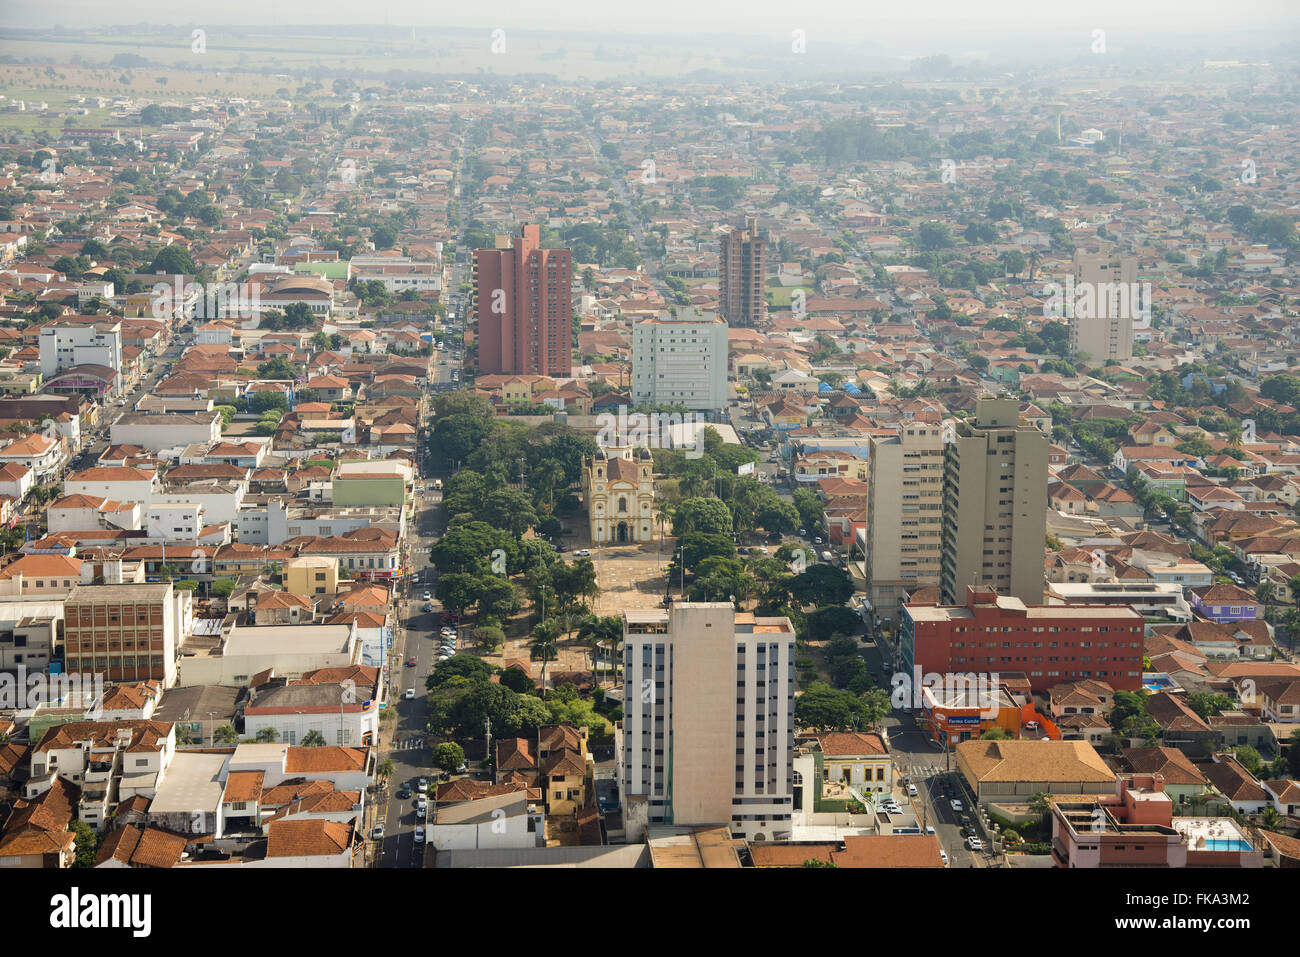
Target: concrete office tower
{"x":904,"y":514}
{"x":680,"y":358}
{"x":994,"y":504}
{"x":708,"y":717}
{"x":522,"y":296}
{"x":740,"y":276}
{"x":1105,"y":305}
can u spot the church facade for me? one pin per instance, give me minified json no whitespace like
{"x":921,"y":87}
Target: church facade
{"x":618,"y":484}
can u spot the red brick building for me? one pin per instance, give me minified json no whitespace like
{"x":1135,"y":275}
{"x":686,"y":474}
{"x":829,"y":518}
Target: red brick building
{"x":1048,"y":643}
{"x":524,"y":308}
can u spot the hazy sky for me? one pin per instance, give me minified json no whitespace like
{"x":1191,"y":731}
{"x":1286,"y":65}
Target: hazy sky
{"x":929,"y":23}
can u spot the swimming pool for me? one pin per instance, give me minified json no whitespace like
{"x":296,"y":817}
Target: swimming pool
{"x":1223,"y":844}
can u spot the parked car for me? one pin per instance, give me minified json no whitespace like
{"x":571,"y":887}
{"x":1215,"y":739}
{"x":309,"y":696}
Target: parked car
{"x":422,"y":785}
{"x":419,"y":834}
{"x":377,"y":833}
{"x":911,"y":790}
{"x":410,"y":694}
{"x":956,"y":806}
{"x":583,"y":553}
{"x":943,"y":855}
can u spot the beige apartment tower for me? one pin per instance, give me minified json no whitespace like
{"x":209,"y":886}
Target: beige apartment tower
{"x":904,"y":514}
{"x":708,"y":717}
{"x":740,"y":276}
{"x":994,"y":504}
{"x":1103,"y":305}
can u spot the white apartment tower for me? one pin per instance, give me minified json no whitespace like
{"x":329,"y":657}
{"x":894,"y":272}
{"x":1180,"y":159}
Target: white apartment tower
{"x":1105,"y":307}
{"x":904,"y":514}
{"x":708,"y":717}
{"x":680,"y":358}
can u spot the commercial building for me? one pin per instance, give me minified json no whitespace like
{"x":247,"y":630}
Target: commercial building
{"x":1012,"y":772}
{"x":173,"y":430}
{"x":904,"y":514}
{"x":66,"y":346}
{"x":374,"y":482}
{"x":523,"y":304}
{"x":680,"y":358}
{"x":127,"y":632}
{"x":1155,"y":600}
{"x":708,"y":726}
{"x":996,"y":634}
{"x":740,"y":276}
{"x":1103,"y":311}
{"x":994,"y":503}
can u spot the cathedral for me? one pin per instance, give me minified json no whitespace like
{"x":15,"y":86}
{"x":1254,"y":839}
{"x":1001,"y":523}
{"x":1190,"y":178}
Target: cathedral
{"x":619,"y":488}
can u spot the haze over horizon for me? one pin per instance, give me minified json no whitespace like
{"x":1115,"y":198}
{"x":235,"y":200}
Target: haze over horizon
{"x":931,"y":27}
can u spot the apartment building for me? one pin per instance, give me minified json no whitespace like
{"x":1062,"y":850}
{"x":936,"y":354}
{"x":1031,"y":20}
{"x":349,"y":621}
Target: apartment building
{"x":740,"y":276}
{"x":523,"y":295}
{"x":997,"y":634}
{"x":904,"y":514}
{"x":680,"y":358}
{"x":66,"y":346}
{"x":1103,"y":312}
{"x":708,"y":727}
{"x":995,"y":504}
{"x":129,"y":632}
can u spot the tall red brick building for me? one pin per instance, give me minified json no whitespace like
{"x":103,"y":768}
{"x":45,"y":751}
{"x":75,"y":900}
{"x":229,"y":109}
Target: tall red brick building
{"x":524,"y":307}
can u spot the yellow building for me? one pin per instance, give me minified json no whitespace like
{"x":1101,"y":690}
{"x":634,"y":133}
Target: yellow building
{"x":312,"y":575}
{"x":619,"y":488}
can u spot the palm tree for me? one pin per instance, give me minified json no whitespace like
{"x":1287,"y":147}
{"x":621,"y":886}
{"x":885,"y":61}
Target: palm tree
{"x":386,"y":768}
{"x":225,"y":734}
{"x":597,"y":631}
{"x":313,"y":739}
{"x":1266,"y":591}
{"x":544,"y":646}
{"x":267,"y":736}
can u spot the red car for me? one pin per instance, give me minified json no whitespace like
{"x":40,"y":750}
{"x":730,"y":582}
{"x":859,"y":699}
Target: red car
{"x":410,"y":662}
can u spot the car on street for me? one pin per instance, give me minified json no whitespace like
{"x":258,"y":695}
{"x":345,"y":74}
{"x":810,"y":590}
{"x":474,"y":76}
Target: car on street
{"x":956,"y":806}
{"x":419,"y":834}
{"x":377,"y":833}
{"x":817,"y":540}
{"x":410,"y":694}
{"x":410,"y":662}
{"x":929,"y":829}
{"x":461,"y":768}
{"x":421,"y":808}
{"x":583,"y":553}
{"x":911,"y":790}
{"x":943,"y":855}
{"x":427,"y":596}
{"x":422,"y":785}
{"x":404,"y":794}
{"x":974,"y":843}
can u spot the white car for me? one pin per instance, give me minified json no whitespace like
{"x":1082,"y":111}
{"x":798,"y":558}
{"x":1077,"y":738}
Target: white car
{"x":911,"y":790}
{"x":410,"y":694}
{"x":974,"y":843}
{"x":944,"y":856}
{"x":583,"y":553}
{"x":419,"y":834}
{"x":956,"y":806}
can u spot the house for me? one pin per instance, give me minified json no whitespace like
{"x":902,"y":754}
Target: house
{"x":858,"y":759}
{"x":16,"y":479}
{"x":1225,"y":603}
{"x":1180,"y":726}
{"x":1236,"y":784}
{"x":42,"y":454}
{"x":1182,"y":778}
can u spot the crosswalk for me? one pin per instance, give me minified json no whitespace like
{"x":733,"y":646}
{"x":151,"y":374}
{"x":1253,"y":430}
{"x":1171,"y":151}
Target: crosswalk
{"x":919,"y":770}
{"x":408,"y":744}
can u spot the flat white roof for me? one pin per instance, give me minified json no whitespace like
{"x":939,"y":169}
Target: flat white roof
{"x":287,"y":639}
{"x":192,"y":783}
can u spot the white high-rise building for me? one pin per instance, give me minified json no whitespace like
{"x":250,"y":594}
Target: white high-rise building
{"x":680,"y":358}
{"x":708,"y":717}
